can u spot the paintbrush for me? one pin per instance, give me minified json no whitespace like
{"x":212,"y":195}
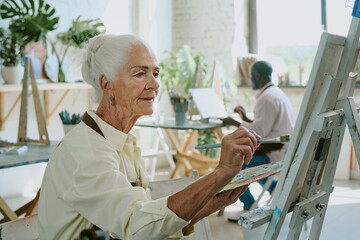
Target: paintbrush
{"x":281,"y":139}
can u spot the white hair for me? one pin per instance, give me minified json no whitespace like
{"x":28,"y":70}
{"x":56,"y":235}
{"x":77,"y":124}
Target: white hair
{"x":104,"y":55}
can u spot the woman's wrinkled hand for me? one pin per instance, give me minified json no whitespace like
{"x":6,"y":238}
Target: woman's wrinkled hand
{"x":223,"y":199}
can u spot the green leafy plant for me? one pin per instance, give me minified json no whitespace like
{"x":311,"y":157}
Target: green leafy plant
{"x":207,"y":137}
{"x":177,"y":71}
{"x":66,"y":118}
{"x":76,"y":36}
{"x":32,"y":21}
{"x":10,"y":50}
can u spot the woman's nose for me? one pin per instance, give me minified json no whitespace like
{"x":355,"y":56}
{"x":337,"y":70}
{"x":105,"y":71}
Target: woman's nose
{"x":153,"y":83}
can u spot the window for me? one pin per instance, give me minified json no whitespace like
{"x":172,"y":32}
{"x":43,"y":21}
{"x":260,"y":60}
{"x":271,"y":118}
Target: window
{"x":289,"y":32}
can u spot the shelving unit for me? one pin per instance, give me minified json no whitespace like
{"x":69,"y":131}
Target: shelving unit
{"x":46,"y":88}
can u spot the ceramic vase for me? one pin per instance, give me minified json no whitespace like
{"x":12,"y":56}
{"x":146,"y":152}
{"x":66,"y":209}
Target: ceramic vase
{"x":12,"y":75}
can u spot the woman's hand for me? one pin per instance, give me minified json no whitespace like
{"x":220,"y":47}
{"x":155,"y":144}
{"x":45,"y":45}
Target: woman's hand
{"x":237,"y":148}
{"x":219,"y":201}
{"x":223,"y":199}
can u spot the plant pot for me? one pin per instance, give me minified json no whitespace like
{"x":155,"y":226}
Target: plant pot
{"x":68,"y":127}
{"x":12,"y":75}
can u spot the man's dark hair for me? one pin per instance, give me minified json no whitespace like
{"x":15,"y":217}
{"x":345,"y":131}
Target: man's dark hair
{"x":264,"y":69}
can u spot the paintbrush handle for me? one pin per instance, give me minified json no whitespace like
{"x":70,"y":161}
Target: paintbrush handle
{"x":260,"y":141}
{"x":206,"y":146}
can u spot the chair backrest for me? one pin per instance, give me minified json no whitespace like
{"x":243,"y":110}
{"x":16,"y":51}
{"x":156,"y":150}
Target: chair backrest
{"x":164,"y":188}
{"x":25,"y":228}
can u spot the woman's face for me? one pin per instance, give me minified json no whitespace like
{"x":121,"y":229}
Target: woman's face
{"x":136,"y":85}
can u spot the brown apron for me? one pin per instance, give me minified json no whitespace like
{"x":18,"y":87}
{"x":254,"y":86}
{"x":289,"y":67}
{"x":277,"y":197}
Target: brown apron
{"x":93,"y":125}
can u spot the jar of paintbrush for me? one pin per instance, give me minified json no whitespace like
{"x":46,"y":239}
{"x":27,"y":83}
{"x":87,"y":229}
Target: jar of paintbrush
{"x":180,"y":106}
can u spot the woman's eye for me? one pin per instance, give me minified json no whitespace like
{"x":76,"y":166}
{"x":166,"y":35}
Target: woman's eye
{"x":139,"y":74}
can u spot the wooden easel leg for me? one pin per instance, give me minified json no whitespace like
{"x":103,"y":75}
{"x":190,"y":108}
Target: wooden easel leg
{"x":176,"y":171}
{"x":6,"y":210}
{"x":2,"y":110}
{"x":40,"y":118}
{"x":221,"y":212}
{"x":317,"y":226}
{"x":353,"y":122}
{"x":294,"y":233}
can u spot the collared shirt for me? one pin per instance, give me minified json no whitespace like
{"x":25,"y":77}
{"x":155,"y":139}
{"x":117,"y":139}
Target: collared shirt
{"x":87,"y":181}
{"x":273,"y":116}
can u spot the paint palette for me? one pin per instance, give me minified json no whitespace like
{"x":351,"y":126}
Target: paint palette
{"x":254,"y":174}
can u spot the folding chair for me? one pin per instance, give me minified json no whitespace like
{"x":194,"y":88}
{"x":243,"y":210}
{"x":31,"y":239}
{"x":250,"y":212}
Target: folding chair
{"x":168,"y":187}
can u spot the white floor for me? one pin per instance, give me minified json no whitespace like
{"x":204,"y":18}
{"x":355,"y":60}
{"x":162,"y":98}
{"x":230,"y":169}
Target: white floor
{"x":341,"y":220}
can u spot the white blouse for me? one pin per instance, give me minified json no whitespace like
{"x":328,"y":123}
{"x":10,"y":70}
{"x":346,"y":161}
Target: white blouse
{"x":87,"y":181}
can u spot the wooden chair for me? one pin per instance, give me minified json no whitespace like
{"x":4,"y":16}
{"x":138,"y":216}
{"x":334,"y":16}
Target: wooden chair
{"x":168,"y":187}
{"x":25,"y":228}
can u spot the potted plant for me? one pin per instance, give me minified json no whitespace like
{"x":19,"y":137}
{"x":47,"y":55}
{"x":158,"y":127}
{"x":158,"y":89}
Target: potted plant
{"x":30,"y":20}
{"x":10,"y":53}
{"x":176,"y":75}
{"x":177,"y":71}
{"x":76,"y":36}
{"x":69,"y":121}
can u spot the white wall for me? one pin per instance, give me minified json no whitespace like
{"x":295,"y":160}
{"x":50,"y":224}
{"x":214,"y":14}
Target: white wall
{"x":208,"y":27}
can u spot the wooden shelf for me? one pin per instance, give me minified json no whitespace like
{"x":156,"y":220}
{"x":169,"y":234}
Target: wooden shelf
{"x":46,"y":88}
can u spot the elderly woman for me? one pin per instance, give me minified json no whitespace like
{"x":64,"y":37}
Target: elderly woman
{"x":95,"y":177}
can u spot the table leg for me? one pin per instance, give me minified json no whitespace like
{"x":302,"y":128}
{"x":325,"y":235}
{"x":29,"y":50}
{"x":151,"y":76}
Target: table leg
{"x":190,"y":141}
{"x":219,"y":133}
{"x":6,"y":210}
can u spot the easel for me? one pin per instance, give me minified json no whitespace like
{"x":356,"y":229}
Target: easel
{"x":22,"y":132}
{"x":197,"y":83}
{"x":310,"y":162}
{"x":28,"y":208}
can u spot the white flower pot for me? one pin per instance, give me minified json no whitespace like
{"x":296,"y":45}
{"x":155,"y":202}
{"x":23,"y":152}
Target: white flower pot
{"x":68,"y":127}
{"x":13,"y":75}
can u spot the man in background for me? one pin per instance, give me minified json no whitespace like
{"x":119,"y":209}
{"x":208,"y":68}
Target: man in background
{"x":273,"y":117}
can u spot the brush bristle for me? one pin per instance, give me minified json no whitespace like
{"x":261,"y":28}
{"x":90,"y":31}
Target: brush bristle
{"x":284,"y":139}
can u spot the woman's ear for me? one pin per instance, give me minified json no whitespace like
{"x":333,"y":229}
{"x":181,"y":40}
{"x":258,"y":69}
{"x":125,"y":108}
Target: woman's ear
{"x":105,"y":84}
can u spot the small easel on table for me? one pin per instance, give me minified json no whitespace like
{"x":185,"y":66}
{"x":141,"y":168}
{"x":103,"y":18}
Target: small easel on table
{"x":306,"y":179}
{"x":22,"y":139}
{"x":43,"y":134}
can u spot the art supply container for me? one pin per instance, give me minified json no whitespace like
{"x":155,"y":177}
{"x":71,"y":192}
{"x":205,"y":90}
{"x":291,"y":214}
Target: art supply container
{"x":180,"y":118}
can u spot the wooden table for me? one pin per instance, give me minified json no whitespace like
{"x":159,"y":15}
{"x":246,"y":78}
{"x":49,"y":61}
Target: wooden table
{"x":188,"y":158}
{"x":36,"y":153}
